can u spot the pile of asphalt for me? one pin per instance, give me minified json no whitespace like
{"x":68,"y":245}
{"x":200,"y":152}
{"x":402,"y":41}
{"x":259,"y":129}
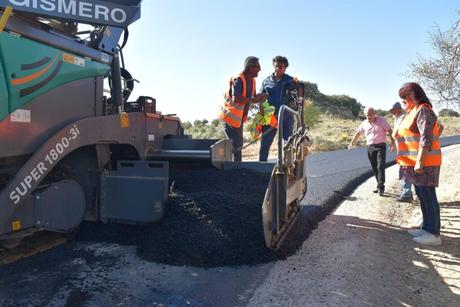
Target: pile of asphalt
{"x":213,"y":219}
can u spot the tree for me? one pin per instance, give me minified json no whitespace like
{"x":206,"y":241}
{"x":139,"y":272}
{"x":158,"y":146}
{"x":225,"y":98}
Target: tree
{"x":215,"y":122}
{"x":440,"y":74}
{"x":186,"y":125}
{"x":449,"y":113}
{"x":197,"y":123}
{"x":311,"y":114}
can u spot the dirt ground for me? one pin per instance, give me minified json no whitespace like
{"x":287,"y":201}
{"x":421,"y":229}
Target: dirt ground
{"x":362,"y":254}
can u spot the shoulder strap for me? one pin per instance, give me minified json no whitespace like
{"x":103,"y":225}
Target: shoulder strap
{"x":243,"y":79}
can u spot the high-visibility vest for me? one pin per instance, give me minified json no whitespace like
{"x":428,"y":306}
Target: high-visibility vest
{"x":408,"y":142}
{"x":232,"y":112}
{"x":273,"y":120}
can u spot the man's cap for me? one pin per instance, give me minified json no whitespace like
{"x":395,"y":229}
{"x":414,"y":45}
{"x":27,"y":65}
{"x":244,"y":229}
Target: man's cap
{"x":395,"y":106}
{"x":251,"y":60}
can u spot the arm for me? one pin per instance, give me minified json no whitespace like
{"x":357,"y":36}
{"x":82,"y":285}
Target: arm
{"x":425,"y":123}
{"x":422,"y":151}
{"x":262,"y":95}
{"x":392,"y":144}
{"x":352,"y":143}
{"x":238,"y":91}
{"x":242,"y":100}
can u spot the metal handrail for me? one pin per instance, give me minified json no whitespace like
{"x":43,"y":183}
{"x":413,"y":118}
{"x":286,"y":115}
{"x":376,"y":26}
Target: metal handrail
{"x":283,"y":108}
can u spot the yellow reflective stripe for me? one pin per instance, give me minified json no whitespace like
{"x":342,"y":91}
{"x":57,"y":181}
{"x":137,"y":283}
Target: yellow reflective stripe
{"x":414,"y":153}
{"x":413,"y":138}
{"x":6,"y":15}
{"x":237,"y":106}
{"x":231,"y":115}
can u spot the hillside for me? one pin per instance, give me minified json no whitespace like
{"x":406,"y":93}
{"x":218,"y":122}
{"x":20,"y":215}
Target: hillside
{"x":332,"y":122}
{"x":333,"y":133}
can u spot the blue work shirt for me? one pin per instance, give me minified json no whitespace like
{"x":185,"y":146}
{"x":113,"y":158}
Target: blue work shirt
{"x":278,"y":91}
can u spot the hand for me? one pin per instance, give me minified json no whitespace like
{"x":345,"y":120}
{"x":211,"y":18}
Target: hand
{"x":418,"y":168}
{"x":260,"y":97}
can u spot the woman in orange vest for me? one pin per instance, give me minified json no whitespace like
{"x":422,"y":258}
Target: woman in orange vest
{"x":419,"y":155}
{"x":241,"y":92}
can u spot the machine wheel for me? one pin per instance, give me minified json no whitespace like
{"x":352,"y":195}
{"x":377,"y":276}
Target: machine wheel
{"x":81,"y":166}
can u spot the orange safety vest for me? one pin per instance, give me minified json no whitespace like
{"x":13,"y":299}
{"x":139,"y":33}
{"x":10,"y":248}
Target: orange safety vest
{"x":232,"y":112}
{"x":408,"y":142}
{"x":273,"y":122}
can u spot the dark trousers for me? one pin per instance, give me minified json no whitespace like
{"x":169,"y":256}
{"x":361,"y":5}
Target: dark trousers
{"x":267,"y":140}
{"x":377,"y":156}
{"x":430,"y":209}
{"x":236,"y":135}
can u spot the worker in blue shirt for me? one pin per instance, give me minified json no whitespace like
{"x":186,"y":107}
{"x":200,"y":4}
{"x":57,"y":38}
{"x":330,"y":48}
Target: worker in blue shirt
{"x":278,"y":87}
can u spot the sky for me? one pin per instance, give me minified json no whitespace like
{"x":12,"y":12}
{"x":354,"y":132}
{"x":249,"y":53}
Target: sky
{"x":184,"y":52}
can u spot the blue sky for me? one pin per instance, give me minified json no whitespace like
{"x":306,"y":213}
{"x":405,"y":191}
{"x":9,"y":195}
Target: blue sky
{"x":184,"y":52}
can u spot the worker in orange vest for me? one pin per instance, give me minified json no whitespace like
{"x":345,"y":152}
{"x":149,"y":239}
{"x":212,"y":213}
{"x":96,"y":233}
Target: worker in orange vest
{"x":241,"y":92}
{"x":419,"y":155}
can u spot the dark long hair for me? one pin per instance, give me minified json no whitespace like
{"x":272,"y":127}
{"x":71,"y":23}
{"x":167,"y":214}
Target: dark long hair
{"x":415,"y":91}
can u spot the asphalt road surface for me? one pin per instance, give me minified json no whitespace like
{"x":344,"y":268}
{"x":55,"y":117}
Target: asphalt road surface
{"x":107,"y":274}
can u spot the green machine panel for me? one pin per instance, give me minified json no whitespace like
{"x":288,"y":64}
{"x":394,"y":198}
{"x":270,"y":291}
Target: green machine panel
{"x":31,"y":69}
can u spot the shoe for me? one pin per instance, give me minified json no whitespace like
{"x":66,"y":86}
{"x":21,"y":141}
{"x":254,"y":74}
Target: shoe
{"x":375,"y":191}
{"x":405,"y":199}
{"x":381,"y":191}
{"x":417,"y":232}
{"x":428,"y":239}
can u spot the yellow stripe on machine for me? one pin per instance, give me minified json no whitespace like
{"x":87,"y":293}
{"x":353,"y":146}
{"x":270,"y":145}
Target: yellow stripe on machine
{"x":124,"y":120}
{"x":16,"y":225}
{"x":6,"y":15}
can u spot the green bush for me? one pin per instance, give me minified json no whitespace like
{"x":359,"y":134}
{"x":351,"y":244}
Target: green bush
{"x":311,"y":114}
{"x":448,"y":113}
{"x":341,"y":106}
{"x":203,"y":129}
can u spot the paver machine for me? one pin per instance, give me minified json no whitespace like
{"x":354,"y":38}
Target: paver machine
{"x":71,"y":151}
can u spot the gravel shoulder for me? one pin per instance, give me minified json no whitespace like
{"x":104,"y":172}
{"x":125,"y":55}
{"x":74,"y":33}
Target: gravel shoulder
{"x":361,"y":255}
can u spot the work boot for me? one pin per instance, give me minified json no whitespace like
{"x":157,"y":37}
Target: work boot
{"x":381,"y":191}
{"x":375,"y":191}
{"x":428,"y":239}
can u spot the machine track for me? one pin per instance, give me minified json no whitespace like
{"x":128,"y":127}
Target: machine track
{"x":35,"y":244}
